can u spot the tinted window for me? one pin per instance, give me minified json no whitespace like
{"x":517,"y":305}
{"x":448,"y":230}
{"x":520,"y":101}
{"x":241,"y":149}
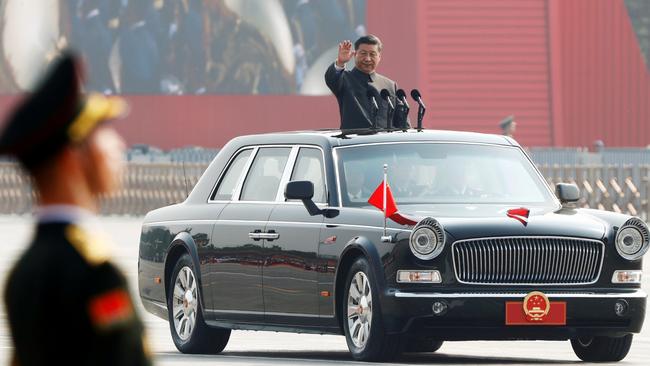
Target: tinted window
{"x":230,"y":179}
{"x":442,"y":173}
{"x":263,"y":178}
{"x":309,"y":166}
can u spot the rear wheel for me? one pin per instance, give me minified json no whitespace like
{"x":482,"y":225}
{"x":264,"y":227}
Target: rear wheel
{"x":363,"y":322}
{"x":189,"y":331}
{"x":602,"y":349}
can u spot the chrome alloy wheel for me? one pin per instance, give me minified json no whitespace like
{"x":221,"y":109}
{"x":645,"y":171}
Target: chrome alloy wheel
{"x":359,"y":309}
{"x":185,"y":303}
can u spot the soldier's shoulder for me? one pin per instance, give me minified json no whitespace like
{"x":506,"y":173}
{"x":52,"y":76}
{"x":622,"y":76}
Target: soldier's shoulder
{"x":92,"y":246}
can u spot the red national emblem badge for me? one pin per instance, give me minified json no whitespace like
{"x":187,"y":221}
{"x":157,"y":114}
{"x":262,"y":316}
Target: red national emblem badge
{"x":536,"y":306}
{"x":536,"y":309}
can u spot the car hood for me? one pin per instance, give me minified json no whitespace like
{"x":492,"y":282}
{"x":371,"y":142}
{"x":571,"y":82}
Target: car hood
{"x":472,"y":221}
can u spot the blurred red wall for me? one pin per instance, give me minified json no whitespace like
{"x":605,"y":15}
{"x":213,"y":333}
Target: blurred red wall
{"x":600,"y":81}
{"x":570,"y":71}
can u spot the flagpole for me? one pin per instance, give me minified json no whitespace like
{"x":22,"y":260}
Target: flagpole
{"x":385,"y":198}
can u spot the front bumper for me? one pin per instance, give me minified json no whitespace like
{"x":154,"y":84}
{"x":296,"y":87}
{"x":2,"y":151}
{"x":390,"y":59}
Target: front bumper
{"x":481,"y":315}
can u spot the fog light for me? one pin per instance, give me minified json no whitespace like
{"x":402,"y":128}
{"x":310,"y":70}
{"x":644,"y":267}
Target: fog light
{"x":418,"y":277}
{"x":627,"y":276}
{"x":620,"y":308}
{"x":439,"y":308}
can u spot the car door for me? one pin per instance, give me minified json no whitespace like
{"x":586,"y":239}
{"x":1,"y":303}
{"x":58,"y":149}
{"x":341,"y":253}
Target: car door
{"x":291,"y":258}
{"x":239,"y":238}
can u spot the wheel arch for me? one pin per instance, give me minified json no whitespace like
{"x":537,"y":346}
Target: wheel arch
{"x":357,"y":247}
{"x":183,"y":243}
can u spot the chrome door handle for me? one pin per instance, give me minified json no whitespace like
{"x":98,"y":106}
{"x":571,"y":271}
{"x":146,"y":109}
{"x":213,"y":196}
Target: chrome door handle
{"x":256,"y":235}
{"x":269,"y":236}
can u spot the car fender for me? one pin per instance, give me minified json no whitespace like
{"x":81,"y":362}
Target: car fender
{"x":185,"y":241}
{"x":369,"y":250}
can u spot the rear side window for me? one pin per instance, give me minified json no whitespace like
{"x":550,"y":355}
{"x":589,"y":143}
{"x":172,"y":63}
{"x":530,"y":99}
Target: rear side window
{"x":264,"y":176}
{"x":233,"y":174}
{"x":309,"y":166}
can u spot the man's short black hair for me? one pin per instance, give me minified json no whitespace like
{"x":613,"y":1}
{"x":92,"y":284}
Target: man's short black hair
{"x":369,"y":39}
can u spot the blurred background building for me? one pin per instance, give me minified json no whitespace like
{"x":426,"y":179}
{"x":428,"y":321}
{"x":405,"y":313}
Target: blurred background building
{"x":199,"y":72}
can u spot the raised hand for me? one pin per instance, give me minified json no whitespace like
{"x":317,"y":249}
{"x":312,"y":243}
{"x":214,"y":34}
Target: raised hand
{"x":345,"y":53}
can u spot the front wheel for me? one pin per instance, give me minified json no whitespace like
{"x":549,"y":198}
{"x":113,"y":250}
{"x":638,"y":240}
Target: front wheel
{"x":189,"y":331}
{"x":602,"y":349}
{"x":362,"y":322}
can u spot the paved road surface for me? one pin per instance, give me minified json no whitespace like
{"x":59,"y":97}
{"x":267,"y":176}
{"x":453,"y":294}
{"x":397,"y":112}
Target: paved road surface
{"x":268,"y":348}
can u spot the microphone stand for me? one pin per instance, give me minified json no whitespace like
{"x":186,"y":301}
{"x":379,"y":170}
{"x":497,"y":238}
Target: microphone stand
{"x":421,"y":111}
{"x":390,"y":113}
{"x":374,"y":109}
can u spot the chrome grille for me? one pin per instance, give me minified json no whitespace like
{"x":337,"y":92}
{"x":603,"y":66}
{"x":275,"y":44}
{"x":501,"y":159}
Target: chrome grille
{"x":527,"y":260}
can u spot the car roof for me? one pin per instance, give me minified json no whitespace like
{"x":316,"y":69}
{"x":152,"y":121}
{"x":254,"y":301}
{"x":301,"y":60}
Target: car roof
{"x":335,"y":137}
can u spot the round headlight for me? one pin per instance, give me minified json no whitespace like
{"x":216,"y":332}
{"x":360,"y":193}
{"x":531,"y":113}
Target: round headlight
{"x":427,"y":239}
{"x":632,"y":239}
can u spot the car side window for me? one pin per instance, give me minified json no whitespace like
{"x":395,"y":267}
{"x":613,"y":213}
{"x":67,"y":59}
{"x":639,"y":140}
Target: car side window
{"x":309,"y":166}
{"x":229,"y":181}
{"x":263,"y":179}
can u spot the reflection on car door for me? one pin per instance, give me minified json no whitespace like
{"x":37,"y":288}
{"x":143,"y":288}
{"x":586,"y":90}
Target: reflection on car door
{"x":239,"y":238}
{"x":290,"y":266}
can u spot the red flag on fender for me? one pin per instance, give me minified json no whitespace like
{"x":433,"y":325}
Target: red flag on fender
{"x":377,"y":200}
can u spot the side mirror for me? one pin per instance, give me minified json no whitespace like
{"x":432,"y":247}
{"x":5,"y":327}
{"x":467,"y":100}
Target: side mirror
{"x":567,"y":192}
{"x":304,"y":190}
{"x":299,"y":190}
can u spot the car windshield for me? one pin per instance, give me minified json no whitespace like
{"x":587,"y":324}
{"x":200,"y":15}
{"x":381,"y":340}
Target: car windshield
{"x":423,"y":173}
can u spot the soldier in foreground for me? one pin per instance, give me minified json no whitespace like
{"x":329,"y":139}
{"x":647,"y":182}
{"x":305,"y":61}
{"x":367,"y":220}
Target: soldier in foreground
{"x":66,"y":303}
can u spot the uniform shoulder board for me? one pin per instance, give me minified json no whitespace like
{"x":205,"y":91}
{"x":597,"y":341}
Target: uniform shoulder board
{"x":91,"y":246}
{"x":110,"y":309}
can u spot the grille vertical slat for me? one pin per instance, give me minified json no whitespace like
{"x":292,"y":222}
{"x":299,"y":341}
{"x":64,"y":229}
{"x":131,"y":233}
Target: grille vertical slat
{"x":530,"y":260}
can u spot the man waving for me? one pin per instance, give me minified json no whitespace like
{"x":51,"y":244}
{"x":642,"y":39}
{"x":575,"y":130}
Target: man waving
{"x":352,"y":88}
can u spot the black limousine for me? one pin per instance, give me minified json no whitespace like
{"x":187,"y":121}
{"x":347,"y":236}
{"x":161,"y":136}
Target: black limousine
{"x":278,"y":234}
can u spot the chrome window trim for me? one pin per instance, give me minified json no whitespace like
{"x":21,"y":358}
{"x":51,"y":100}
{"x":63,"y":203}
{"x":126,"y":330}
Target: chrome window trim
{"x":600,"y":269}
{"x":335,"y":156}
{"x":293,"y":167}
{"x":237,"y":195}
{"x":215,"y":186}
{"x":539,"y":174}
{"x":637,"y":294}
{"x":286,"y":174}
{"x":288,"y":171}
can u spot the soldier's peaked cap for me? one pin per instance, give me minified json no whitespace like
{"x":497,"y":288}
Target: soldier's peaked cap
{"x":56,"y":114}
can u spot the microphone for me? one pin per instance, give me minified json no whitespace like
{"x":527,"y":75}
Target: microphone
{"x":401,"y":95}
{"x":415,"y":94}
{"x":385,"y":95}
{"x":403,"y":108}
{"x":373,"y":104}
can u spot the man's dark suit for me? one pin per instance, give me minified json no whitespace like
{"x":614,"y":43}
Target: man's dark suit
{"x":351,"y":91}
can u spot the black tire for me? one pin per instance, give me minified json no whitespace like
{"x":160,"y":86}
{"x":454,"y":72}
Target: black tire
{"x":201,"y":338}
{"x":378,"y":345}
{"x":602,"y":349}
{"x":422,"y":345}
